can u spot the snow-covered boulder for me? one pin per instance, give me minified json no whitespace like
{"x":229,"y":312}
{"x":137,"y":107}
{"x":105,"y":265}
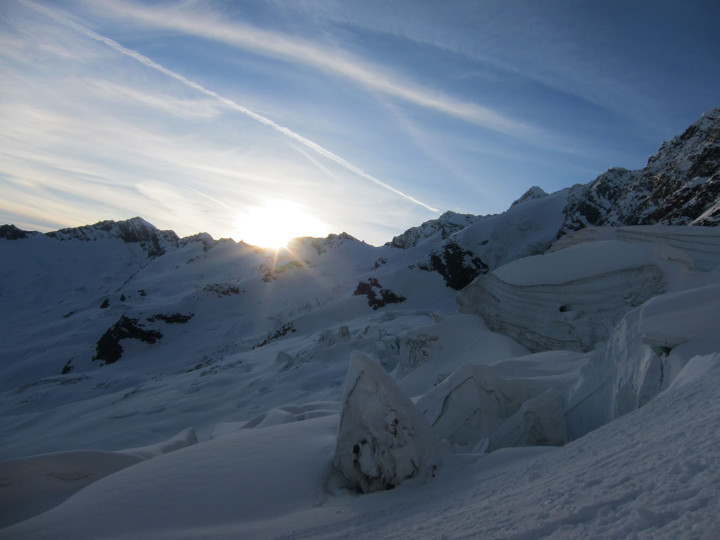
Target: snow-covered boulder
{"x":573,"y":298}
{"x":382,"y":439}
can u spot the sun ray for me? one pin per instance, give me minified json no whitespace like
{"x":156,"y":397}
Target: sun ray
{"x":276,"y":223}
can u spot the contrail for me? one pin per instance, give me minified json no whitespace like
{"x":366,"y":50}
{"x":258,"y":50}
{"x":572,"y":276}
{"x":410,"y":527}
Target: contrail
{"x":226,"y":101}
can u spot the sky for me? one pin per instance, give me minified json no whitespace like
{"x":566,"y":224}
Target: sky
{"x":309,"y":117}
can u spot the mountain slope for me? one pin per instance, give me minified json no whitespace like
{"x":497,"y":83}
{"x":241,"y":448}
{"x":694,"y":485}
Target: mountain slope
{"x":679,"y":186}
{"x":118,"y":335}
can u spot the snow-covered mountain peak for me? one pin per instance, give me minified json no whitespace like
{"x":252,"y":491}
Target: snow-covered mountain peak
{"x":435,"y":229}
{"x":11,"y":232}
{"x":135,"y":230}
{"x":322,"y":245}
{"x":679,"y":185}
{"x":534,"y":192}
{"x":696,"y":152}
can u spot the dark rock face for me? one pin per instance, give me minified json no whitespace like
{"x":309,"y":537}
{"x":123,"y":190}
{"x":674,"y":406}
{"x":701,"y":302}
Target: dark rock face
{"x":456,"y":265}
{"x":679,"y":186}
{"x":108,"y":348}
{"x":221,"y":289}
{"x":285,"y":329}
{"x":171,"y":318}
{"x":376,"y":295}
{"x":11,"y":232}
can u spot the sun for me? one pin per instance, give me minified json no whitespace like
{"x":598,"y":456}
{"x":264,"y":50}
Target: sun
{"x":275,"y":223}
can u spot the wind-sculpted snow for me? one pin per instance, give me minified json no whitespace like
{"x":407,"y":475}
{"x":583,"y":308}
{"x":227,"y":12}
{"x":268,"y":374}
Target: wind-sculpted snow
{"x":652,"y":473}
{"x":571,"y":299}
{"x":33,"y":485}
{"x":475,"y":409}
{"x":650,"y":347}
{"x":293,"y":413}
{"x":701,"y":244}
{"x":382,"y":440}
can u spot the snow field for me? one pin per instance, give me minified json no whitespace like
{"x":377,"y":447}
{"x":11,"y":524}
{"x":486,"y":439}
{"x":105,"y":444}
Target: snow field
{"x":286,"y":351}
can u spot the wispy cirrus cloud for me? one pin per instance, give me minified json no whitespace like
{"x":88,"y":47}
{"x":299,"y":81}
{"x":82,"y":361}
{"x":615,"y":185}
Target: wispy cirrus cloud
{"x":183,"y":108}
{"x":75,"y":150}
{"x":224,"y":100}
{"x":329,"y":59}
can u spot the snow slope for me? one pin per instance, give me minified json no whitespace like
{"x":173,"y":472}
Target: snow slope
{"x":654,"y":472}
{"x":574,"y":395}
{"x":268,"y":416}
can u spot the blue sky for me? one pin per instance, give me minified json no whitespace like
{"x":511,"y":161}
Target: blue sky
{"x":361,"y":116}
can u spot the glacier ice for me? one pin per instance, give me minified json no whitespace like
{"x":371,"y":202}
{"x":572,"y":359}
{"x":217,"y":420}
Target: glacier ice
{"x":573,"y":298}
{"x":475,"y":408}
{"x":382,"y":439}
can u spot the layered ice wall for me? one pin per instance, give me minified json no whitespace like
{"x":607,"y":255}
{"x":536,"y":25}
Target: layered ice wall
{"x":701,"y":244}
{"x":573,"y":298}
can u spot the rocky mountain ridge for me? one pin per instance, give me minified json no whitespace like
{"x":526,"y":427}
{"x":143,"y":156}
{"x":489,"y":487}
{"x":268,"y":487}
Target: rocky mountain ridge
{"x":680,"y":185}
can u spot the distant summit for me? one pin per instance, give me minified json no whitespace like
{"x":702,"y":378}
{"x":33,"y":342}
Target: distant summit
{"x":680,"y":185}
{"x":534,"y":192}
{"x":134,"y":230}
{"x":11,"y":232}
{"x":440,"y":228}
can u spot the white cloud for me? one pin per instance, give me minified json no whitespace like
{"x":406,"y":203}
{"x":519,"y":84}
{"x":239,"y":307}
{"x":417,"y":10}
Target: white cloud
{"x":319,"y":55}
{"x":225,"y":101}
{"x":183,"y":108}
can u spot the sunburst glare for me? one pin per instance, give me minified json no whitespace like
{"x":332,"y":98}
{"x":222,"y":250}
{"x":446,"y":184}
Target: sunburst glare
{"x":276,"y":223}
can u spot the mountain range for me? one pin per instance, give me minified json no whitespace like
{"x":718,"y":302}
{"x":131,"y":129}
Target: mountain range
{"x":149,"y":375}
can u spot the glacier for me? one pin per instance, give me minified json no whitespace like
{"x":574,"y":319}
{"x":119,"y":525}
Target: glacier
{"x":552,"y":371}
